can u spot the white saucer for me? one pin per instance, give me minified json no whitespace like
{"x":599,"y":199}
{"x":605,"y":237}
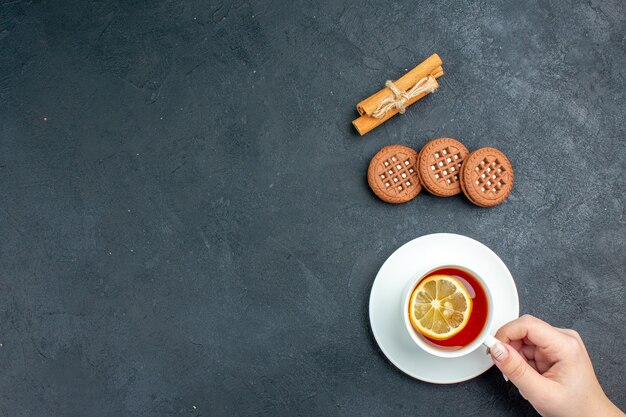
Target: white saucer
{"x":418,"y":257}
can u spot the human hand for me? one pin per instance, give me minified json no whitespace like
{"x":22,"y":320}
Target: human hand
{"x":551,"y":369}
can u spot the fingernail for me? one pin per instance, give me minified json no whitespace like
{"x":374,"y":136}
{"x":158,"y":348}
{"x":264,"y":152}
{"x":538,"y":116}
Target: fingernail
{"x":499,"y":352}
{"x":505,"y":378}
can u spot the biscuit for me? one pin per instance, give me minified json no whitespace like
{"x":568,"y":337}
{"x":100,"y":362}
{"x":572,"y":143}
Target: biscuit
{"x":487,"y":177}
{"x":392,"y":174}
{"x":440,"y":162}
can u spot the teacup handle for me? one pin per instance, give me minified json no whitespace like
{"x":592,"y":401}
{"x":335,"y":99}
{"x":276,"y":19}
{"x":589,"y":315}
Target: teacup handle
{"x":490,"y":341}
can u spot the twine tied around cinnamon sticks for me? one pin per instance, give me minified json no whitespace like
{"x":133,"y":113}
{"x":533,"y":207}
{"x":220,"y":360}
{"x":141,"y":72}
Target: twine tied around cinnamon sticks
{"x":398,"y":95}
{"x":399,"y":99}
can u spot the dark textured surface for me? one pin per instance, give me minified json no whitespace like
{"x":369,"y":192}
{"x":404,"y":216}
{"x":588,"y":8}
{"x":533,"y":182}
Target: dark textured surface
{"x":186,"y":226}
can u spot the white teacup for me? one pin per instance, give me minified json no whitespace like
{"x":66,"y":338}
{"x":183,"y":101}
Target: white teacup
{"x":484,"y":338}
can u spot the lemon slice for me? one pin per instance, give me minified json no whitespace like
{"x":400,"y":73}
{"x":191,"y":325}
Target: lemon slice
{"x":440,"y":307}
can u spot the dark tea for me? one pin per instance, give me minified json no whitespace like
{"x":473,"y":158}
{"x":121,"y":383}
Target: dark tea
{"x":478,"y":315}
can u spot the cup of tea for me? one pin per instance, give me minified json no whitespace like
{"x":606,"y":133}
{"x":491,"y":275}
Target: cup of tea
{"x":448,"y":311}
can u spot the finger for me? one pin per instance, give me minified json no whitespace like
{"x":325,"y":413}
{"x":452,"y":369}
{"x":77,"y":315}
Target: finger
{"x":525,"y":377}
{"x":571,"y":333}
{"x":531,"y":330}
{"x":516,"y":344}
{"x":542,"y":366}
{"x":533,"y":365}
{"x":528,"y":352}
{"x":523,"y":357}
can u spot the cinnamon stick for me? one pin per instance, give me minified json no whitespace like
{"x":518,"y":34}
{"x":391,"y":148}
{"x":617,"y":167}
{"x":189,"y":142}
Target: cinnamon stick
{"x":430,"y":66}
{"x":365,"y":123}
